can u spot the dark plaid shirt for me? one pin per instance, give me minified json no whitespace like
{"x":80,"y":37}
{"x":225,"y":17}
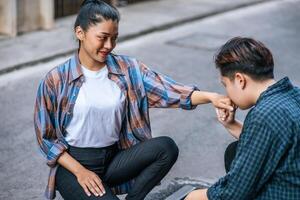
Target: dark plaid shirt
{"x":267,"y":163}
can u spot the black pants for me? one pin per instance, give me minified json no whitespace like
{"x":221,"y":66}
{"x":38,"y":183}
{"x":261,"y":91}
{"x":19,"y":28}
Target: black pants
{"x":148,"y":162}
{"x":230,"y":155}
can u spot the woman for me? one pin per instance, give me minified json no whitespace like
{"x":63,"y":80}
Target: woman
{"x":92,"y":119}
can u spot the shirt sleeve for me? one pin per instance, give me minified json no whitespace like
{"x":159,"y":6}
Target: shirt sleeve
{"x":258,"y":155}
{"x":164,"y":92}
{"x":44,"y":123}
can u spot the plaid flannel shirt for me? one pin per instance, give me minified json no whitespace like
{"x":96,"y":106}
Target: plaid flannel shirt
{"x":142,"y":86}
{"x":267,"y":162}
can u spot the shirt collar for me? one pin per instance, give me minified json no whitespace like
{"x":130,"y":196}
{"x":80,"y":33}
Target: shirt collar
{"x":281,"y":85}
{"x":113,"y":67}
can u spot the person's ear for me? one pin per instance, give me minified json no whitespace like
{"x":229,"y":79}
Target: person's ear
{"x":240,"y":80}
{"x":79,"y":32}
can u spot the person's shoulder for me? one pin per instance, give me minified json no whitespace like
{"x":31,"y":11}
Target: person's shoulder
{"x":296,"y":92}
{"x":281,"y":103}
{"x":276,"y":112}
{"x":61,"y":68}
{"x":267,"y":109}
{"x":58,"y":73}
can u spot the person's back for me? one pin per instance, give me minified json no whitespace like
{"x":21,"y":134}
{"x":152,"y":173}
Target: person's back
{"x":278,"y":109}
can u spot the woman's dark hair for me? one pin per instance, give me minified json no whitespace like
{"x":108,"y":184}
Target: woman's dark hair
{"x":245,"y":55}
{"x":94,"y":11}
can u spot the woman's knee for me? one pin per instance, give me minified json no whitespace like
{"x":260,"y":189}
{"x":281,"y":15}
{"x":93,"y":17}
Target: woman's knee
{"x":169,"y":147}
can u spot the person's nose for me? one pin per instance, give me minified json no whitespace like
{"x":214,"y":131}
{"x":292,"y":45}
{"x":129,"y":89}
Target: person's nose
{"x":108,"y":44}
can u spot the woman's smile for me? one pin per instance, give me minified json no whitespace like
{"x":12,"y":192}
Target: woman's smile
{"x":103,"y":53}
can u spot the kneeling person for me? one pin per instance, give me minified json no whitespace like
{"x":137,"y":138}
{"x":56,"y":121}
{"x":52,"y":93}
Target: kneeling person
{"x":266,"y":164}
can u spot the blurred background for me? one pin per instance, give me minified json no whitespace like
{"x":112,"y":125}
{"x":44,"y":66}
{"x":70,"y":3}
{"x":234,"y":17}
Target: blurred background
{"x":21,"y":16}
{"x":175,"y":37}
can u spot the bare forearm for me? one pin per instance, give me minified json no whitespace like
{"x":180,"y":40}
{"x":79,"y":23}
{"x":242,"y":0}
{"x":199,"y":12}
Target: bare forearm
{"x":235,"y":128}
{"x":218,"y":101}
{"x":70,"y":163}
{"x":201,"y":97}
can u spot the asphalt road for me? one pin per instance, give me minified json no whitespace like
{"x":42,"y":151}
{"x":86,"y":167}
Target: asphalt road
{"x":185,"y":53}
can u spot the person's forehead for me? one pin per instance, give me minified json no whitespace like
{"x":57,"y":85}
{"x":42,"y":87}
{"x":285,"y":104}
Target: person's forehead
{"x":105,"y":27}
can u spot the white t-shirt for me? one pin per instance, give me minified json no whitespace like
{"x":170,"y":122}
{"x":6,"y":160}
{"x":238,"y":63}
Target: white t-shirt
{"x":98,"y":111}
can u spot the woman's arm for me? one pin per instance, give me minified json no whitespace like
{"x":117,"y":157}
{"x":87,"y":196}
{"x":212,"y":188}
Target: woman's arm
{"x":219,"y":101}
{"x":44,"y":123}
{"x":163,"y":92}
{"x":54,"y":149}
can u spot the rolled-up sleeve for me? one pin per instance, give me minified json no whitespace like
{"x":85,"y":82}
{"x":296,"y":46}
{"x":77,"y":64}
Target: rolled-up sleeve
{"x":164,"y":92}
{"x":44,"y":123}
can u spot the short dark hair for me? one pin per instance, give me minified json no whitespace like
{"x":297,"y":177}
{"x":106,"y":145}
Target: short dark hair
{"x":94,"y":11}
{"x":245,"y":55}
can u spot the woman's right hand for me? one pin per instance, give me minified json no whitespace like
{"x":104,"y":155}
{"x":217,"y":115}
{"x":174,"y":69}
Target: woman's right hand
{"x":90,"y":182}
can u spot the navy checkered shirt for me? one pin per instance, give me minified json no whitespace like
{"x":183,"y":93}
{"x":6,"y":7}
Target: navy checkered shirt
{"x":267,"y":163}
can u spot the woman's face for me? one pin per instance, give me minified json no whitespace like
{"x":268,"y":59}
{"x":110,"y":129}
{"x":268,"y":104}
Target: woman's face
{"x":99,"y":40}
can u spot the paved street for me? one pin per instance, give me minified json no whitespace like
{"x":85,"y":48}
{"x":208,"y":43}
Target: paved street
{"x":185,"y":53}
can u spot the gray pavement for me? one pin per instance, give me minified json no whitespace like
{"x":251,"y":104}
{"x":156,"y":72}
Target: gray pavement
{"x":137,"y":19}
{"x":183,"y":52}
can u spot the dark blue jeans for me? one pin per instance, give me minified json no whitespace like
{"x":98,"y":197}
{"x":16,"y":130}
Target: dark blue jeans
{"x":230,"y":155}
{"x":148,"y":162}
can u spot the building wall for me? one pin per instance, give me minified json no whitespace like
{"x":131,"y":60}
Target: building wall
{"x":8,"y":17}
{"x":19,"y":16}
{"x":69,"y":7}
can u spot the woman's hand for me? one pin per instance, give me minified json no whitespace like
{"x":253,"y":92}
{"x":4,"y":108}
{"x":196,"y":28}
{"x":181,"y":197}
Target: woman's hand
{"x":90,"y":182}
{"x":221,"y":102}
